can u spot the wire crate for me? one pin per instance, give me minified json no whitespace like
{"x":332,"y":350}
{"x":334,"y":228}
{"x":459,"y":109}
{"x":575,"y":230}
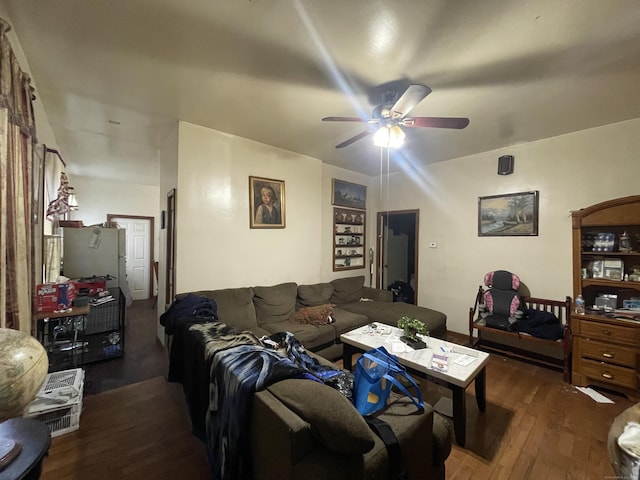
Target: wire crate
{"x":104,"y":317}
{"x":58,"y":404}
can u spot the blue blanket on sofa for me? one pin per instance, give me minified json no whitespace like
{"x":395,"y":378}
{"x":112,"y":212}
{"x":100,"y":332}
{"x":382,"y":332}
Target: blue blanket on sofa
{"x":240,"y":365}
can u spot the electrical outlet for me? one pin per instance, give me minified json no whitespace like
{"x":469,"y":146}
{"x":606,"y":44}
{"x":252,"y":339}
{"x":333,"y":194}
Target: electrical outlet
{"x":433,"y":245}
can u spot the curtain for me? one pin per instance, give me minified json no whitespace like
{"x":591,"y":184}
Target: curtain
{"x":17,"y":134}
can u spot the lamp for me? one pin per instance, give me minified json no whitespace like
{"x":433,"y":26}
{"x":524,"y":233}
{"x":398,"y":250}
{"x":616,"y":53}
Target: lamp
{"x":389,"y":136}
{"x":72,"y":201}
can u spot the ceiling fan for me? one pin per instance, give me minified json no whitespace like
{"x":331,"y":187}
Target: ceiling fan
{"x":392,"y":114}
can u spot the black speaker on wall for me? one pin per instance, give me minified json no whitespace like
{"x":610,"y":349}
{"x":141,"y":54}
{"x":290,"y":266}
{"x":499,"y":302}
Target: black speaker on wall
{"x":505,"y":165}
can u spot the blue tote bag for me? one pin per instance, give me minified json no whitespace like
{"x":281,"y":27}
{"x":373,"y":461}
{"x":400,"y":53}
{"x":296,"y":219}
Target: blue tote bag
{"x":376,"y":372}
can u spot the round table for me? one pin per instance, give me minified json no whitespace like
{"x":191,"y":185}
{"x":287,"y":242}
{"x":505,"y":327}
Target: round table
{"x":35,"y":438}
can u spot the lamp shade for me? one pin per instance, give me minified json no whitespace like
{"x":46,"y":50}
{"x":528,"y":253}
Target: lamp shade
{"x":23,"y":370}
{"x":72,"y":200}
{"x":389,"y":137}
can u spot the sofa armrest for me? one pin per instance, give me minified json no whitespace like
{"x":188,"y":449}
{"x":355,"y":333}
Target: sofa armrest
{"x":377,"y":294}
{"x":279,"y":438}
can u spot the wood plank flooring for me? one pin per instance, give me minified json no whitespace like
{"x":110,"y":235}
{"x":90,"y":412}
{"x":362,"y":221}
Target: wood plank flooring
{"x":139,"y":431}
{"x":535,"y":427}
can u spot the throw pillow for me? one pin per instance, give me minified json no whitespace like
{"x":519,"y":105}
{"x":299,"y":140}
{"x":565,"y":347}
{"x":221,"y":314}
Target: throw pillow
{"x":317,"y":315}
{"x":334,"y":420}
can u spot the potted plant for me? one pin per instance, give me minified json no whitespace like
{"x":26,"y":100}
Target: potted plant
{"x":411,"y":327}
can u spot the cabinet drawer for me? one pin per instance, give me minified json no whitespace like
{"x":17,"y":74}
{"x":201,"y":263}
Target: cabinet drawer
{"x":624,"y":377}
{"x":608,"y":353}
{"x":608,"y":332}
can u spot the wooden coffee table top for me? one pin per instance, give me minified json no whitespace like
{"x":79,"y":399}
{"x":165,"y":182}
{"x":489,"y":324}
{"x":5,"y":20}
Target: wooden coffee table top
{"x":366,"y":338}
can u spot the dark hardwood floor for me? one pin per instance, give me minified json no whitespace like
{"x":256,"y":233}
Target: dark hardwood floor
{"x":144,"y":356}
{"x":135,"y":425}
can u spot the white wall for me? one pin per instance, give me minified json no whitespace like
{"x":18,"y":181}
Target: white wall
{"x":570,"y":172}
{"x":215,"y":246}
{"x":98,"y":197}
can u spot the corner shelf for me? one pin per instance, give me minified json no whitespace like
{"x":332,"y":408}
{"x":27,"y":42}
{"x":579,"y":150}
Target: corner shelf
{"x":349,"y":239}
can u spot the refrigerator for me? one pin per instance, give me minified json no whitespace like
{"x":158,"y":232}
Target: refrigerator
{"x":89,"y":251}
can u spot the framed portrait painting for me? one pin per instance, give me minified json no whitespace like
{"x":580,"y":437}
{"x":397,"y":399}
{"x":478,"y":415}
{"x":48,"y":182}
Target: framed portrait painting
{"x":346,"y":194}
{"x":267,"y":203}
{"x":512,"y":214}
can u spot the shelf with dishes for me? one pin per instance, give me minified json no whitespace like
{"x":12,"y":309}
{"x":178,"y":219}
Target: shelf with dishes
{"x":349,"y":239}
{"x":606,"y":273}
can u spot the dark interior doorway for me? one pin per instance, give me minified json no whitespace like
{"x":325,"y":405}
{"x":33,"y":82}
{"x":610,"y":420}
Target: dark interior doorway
{"x":397,"y":260}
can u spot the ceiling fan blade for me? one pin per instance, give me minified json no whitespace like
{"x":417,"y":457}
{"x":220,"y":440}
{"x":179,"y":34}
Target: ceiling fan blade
{"x":411,"y":97}
{"x":343,"y":119}
{"x":353,"y":139}
{"x":435,"y":122}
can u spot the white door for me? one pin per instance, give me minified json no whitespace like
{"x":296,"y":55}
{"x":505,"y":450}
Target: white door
{"x":138,"y":240}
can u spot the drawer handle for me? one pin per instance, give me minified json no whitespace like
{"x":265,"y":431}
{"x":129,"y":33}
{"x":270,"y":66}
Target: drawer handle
{"x":608,"y":355}
{"x":607,"y":332}
{"x":608,"y":376}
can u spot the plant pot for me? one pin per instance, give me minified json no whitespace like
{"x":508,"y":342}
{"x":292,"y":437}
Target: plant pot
{"x":415,"y":344}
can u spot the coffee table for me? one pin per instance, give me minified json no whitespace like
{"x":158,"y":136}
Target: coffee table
{"x":457,"y":377}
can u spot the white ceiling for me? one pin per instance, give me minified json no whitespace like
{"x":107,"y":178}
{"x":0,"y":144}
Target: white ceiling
{"x":270,"y":70}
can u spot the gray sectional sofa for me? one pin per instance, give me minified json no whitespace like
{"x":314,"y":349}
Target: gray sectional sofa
{"x":268,"y":310}
{"x":301,"y":429}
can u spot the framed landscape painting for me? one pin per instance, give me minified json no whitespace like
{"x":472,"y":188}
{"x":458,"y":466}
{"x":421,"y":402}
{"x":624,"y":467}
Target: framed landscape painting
{"x":346,"y":194}
{"x":266,"y":200}
{"x":512,"y":214}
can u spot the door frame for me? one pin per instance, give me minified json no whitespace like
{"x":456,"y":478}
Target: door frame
{"x":382,"y":218}
{"x":170,"y":250}
{"x":110,"y":216}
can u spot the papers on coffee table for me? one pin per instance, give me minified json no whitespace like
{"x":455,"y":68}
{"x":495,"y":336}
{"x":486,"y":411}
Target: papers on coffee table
{"x":439,"y":362}
{"x":464,"y":360}
{"x":365,"y":338}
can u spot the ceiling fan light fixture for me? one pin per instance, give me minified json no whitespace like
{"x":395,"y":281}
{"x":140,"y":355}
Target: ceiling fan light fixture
{"x":389,"y":137}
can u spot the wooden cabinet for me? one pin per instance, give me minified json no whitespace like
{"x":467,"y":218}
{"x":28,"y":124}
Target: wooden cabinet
{"x":349,"y":239}
{"x":606,"y":272}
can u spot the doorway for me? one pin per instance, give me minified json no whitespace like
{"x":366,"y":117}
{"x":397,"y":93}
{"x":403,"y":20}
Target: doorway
{"x":139,"y":253}
{"x":397,"y":260}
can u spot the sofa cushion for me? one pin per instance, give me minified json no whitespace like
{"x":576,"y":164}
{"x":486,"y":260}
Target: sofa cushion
{"x":347,"y":289}
{"x":390,"y":313}
{"x":276,"y":303}
{"x":344,"y":321}
{"x":235,"y":306}
{"x":316,"y":315}
{"x":442,"y":438}
{"x":311,"y":337}
{"x":334,"y":420}
{"x":316,"y":294}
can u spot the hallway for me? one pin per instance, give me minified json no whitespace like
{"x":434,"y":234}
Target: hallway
{"x":144,"y":357}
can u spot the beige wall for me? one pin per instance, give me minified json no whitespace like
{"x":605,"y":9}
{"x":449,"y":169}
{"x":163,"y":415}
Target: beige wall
{"x":215,"y":246}
{"x":570,"y":172}
{"x":217,"y":249}
{"x":98,"y":197}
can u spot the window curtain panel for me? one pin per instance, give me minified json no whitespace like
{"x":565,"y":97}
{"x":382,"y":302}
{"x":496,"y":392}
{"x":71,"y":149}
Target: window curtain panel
{"x":17,"y":135}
